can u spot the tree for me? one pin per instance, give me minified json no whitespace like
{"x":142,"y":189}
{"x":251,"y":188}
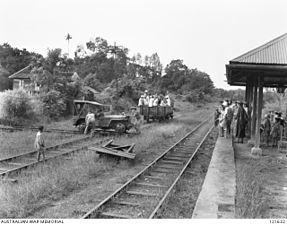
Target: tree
{"x":68,"y":38}
{"x":182,"y":80}
{"x":13,"y":60}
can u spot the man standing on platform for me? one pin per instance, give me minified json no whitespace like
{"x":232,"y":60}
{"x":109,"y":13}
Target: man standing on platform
{"x":228,"y":118}
{"x":266,"y":129}
{"x":241,"y":122}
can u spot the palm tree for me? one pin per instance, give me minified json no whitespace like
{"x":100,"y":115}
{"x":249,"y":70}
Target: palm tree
{"x":68,"y":37}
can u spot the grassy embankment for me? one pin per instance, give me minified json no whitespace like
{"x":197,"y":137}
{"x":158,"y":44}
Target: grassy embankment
{"x":57,"y":179}
{"x":252,"y":198}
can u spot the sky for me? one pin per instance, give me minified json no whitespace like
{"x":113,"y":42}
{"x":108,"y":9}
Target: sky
{"x":205,"y":34}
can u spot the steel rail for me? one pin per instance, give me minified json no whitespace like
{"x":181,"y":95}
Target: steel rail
{"x":21,"y":128}
{"x":179,"y":176}
{"x":51,"y":148}
{"x":142,"y":172}
{"x":54,"y":147}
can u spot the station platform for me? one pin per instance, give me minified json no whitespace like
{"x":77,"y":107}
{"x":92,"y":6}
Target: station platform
{"x":217,"y":197}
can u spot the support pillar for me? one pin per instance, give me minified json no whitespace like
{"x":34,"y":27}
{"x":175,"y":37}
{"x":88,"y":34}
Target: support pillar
{"x":253,"y":113}
{"x":247,"y":91}
{"x":248,"y":99}
{"x":250,"y":107}
{"x":256,"y":150}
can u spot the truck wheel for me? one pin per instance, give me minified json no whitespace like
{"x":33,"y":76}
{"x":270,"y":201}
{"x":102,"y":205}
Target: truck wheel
{"x":120,"y":128}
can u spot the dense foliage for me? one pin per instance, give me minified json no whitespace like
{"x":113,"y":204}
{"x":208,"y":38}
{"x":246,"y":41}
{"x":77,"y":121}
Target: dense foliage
{"x":16,"y":105}
{"x":106,"y":69}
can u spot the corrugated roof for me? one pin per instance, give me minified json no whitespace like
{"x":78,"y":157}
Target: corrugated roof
{"x":273,"y":52}
{"x":24,"y":73}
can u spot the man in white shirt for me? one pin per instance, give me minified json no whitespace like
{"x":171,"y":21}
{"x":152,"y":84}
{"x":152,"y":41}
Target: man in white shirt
{"x":90,"y":122}
{"x":151,"y":99}
{"x":168,"y":102}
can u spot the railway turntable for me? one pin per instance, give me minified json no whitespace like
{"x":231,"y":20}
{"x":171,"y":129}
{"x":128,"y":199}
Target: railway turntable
{"x":123,"y":151}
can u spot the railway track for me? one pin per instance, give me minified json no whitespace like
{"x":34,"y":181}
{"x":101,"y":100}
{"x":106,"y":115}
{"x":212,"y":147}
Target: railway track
{"x":144,"y":194}
{"x":14,"y":164}
{"x":22,"y":128}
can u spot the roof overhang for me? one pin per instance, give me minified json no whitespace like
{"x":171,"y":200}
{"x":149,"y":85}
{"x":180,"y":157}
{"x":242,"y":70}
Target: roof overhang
{"x":273,"y":75}
{"x":88,"y":102}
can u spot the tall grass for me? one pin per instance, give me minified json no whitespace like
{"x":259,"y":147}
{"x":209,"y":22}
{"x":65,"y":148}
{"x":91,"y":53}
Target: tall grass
{"x":58,"y":179}
{"x":251,"y":199}
{"x":18,"y":142}
{"x":51,"y":181}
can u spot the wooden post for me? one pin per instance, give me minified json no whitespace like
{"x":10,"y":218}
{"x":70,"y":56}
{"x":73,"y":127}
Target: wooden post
{"x":247,"y":88}
{"x":248,"y":99}
{"x":254,"y":111}
{"x":256,"y":150}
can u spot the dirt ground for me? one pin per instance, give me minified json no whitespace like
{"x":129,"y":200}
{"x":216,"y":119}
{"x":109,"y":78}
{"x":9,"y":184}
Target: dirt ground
{"x":261,"y":183}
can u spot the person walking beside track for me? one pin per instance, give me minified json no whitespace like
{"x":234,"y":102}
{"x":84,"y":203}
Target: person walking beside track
{"x":40,"y":143}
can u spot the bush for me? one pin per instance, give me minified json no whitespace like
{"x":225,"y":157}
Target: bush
{"x":16,"y":105}
{"x":53,"y":104}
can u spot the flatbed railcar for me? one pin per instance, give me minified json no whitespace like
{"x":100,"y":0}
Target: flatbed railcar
{"x":156,"y":113}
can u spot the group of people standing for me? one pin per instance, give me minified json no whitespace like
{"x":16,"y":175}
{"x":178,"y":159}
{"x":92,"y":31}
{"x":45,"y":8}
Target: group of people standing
{"x":272,"y":128}
{"x":154,"y":100}
{"x":231,"y":119}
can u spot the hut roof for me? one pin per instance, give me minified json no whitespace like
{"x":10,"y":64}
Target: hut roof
{"x":269,"y":61}
{"x":273,"y":52}
{"x":24,"y":73}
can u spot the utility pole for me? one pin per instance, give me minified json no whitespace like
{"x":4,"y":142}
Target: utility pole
{"x":68,"y":37}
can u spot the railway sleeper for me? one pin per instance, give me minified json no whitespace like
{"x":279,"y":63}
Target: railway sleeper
{"x":114,"y":215}
{"x":29,"y":160}
{"x":16,"y":163}
{"x":157,"y":174}
{"x":150,"y":185}
{"x":175,"y":167}
{"x":176,"y":157}
{"x":165,"y":171}
{"x":165,"y":161}
{"x":155,"y":178}
{"x":127,"y":212}
{"x":187,"y":151}
{"x":182,"y":161}
{"x":146,"y":194}
{"x":126,"y":203}
{"x":180,"y":155}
